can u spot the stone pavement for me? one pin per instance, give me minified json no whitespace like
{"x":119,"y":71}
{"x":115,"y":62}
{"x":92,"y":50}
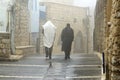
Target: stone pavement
{"x":36,"y":67}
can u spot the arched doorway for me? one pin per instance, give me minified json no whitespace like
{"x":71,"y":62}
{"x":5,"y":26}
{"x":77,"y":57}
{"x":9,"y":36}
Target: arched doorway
{"x":78,"y":43}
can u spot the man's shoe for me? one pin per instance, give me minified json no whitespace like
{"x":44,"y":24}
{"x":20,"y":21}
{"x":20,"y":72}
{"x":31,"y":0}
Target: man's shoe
{"x":68,"y":57}
{"x":50,"y":58}
{"x":65,"y":58}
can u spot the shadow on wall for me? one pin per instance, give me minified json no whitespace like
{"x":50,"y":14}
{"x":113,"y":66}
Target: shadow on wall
{"x":79,"y":43}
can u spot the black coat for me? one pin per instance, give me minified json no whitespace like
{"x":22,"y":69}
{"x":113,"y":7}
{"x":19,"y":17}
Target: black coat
{"x":67,"y":37}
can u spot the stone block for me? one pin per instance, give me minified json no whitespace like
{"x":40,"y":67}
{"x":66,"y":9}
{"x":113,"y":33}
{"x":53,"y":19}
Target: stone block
{"x":115,"y":4}
{"x":114,"y":77}
{"x":117,"y":14}
{"x":19,"y":52}
{"x":116,"y":43}
{"x":116,"y":60}
{"x":4,"y":45}
{"x":7,"y":41}
{"x":117,"y":22}
{"x":26,"y":50}
{"x":115,"y":31}
{"x":116,"y":52}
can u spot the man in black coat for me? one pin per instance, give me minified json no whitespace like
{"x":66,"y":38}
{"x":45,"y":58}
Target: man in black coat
{"x":67,"y":37}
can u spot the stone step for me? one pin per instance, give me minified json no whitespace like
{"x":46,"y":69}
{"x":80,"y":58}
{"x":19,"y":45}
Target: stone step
{"x":12,"y":58}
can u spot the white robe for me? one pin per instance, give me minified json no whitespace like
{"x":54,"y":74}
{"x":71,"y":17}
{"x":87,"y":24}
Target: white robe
{"x":49,"y":34}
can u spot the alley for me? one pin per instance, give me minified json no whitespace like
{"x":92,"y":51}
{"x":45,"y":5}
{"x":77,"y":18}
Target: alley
{"x":36,"y":67}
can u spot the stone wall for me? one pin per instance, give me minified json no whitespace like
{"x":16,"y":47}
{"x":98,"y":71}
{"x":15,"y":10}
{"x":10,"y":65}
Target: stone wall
{"x":99,"y":26}
{"x":111,"y":38}
{"x":22,"y":27}
{"x":4,"y":45}
{"x":107,"y":24}
{"x":21,"y":23}
{"x":113,"y":48}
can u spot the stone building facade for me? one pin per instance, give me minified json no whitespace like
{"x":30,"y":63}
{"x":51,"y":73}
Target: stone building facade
{"x":60,"y":15}
{"x":65,"y":2}
{"x":112,"y":39}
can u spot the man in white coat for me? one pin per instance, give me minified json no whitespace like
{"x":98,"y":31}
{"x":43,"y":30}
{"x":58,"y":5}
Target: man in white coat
{"x":49,"y":31}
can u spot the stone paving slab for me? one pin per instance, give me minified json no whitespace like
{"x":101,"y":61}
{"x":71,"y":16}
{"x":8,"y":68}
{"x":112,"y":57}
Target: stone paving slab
{"x":79,"y":67}
{"x":84,"y":79}
{"x":76,"y":73}
{"x":50,"y":79}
